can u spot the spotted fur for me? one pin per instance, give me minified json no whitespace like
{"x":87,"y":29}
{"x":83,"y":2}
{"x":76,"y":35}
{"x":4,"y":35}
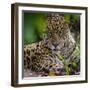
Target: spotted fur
{"x":43,"y":56}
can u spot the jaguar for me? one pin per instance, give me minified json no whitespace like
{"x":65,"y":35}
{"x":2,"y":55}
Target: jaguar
{"x":43,"y":58}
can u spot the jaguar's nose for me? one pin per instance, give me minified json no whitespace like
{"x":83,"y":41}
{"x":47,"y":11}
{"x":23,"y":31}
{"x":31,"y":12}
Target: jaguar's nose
{"x":58,"y":69}
{"x":55,"y":45}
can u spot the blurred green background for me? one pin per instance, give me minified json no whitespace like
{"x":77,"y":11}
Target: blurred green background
{"x":34,"y":27}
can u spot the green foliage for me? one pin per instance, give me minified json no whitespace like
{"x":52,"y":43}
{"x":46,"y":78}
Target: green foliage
{"x":67,"y":17}
{"x":74,"y":65}
{"x":34,"y":27}
{"x":74,"y":22}
{"x":67,"y":70}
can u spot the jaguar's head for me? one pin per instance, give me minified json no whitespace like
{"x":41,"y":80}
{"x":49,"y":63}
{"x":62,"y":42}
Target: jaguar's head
{"x":57,"y":27}
{"x":59,"y":33}
{"x":56,"y":24}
